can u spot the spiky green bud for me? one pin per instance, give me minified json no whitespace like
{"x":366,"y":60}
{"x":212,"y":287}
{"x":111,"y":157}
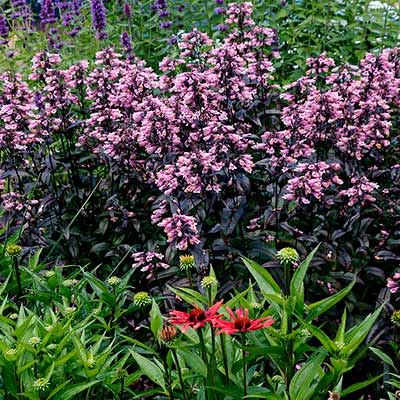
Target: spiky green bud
{"x":288,"y":256}
{"x":13,"y":250}
{"x":142,"y":299}
{"x":209,"y":282}
{"x":186,"y":262}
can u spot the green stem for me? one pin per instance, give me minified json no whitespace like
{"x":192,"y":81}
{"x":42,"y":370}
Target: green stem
{"x":204,"y":357}
{"x":244,"y":365}
{"x":286,"y":273}
{"x":167,"y":377}
{"x":224,"y":357}
{"x":121,"y":394}
{"x":178,"y":367}
{"x":18,"y":278}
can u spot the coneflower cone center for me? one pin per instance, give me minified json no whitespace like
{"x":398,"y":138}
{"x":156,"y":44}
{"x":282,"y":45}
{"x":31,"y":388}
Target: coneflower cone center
{"x":197,"y":315}
{"x":242,"y":324}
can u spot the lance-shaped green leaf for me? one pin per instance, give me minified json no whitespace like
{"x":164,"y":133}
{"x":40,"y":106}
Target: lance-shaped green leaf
{"x":318,"y":308}
{"x":356,"y":335}
{"x":297,"y":282}
{"x":306,"y":379}
{"x":156,"y":323}
{"x":264,"y":279}
{"x":150,"y":369}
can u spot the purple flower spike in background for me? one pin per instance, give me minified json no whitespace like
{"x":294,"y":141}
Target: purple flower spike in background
{"x":22,"y":11}
{"x":70,"y":11}
{"x":47,"y":14}
{"x":98,"y":12}
{"x":4,"y":28}
{"x":126,"y":42}
{"x":219,"y":10}
{"x":165,"y":24}
{"x":127,"y":10}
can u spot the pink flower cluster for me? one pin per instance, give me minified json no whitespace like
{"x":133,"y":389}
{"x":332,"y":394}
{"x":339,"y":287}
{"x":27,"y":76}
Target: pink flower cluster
{"x":335,"y":115}
{"x":148,"y":261}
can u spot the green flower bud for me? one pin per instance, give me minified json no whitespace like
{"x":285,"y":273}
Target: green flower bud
{"x":41,"y":384}
{"x":395,"y":318}
{"x":209,"y":282}
{"x":33,"y":341}
{"x":186,"y":262}
{"x":121,"y":373}
{"x":13,"y":250}
{"x":288,"y":256}
{"x":142,"y":299}
{"x":113,"y":281}
{"x":69,"y":282}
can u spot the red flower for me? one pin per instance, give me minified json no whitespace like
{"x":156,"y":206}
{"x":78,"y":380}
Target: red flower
{"x":241,"y":322}
{"x":196,"y":318}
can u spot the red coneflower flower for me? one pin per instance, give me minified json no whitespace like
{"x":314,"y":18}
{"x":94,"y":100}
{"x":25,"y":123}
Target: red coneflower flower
{"x":241,"y":322}
{"x":196,"y":318}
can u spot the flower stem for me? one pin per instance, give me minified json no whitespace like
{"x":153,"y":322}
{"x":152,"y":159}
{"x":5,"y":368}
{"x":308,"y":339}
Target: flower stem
{"x":205,"y":358}
{"x":189,"y":276}
{"x":244,"y":365}
{"x":178,"y":367}
{"x":286,"y":273}
{"x":18,"y":278}
{"x":121,"y":394}
{"x":224,"y":358}
{"x":167,"y":374}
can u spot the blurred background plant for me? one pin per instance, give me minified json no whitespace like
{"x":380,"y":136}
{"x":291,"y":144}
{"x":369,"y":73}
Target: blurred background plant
{"x":346,"y":30}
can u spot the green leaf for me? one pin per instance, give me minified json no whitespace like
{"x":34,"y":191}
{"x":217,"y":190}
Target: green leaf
{"x":150,"y":369}
{"x":194,"y":361}
{"x":355,"y":336}
{"x":342,"y":328}
{"x":318,"y":308}
{"x":383,"y":356}
{"x":214,"y":288}
{"x":265,"y":281}
{"x":297,"y":282}
{"x":73,"y":390}
{"x":360,"y":385}
{"x":156,"y":323}
{"x":190,"y":296}
{"x":305,"y":381}
{"x":328,"y":343}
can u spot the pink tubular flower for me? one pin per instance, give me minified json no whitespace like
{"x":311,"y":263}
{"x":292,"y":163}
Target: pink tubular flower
{"x":241,"y":322}
{"x":181,"y":228}
{"x":196,"y":318}
{"x":393,"y":283}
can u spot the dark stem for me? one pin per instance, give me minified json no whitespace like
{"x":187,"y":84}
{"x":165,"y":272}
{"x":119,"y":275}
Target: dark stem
{"x":167,"y":374}
{"x":189,"y":276}
{"x":178,"y":367}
